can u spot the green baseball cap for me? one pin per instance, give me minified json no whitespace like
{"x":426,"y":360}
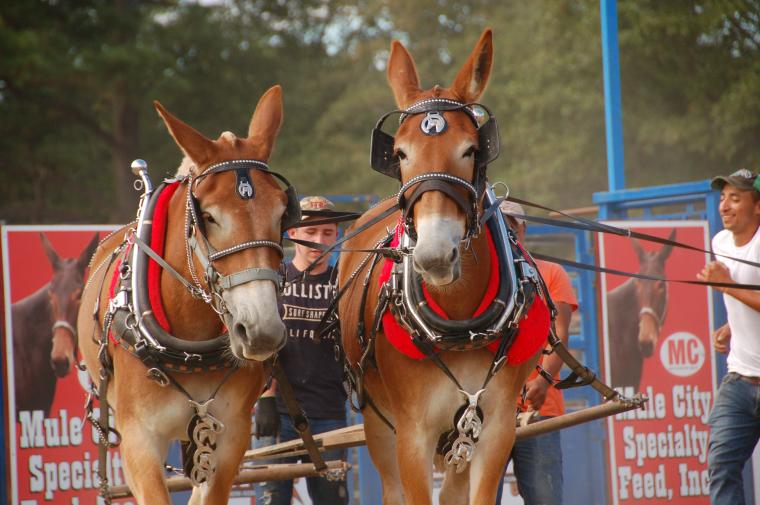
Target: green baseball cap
{"x":741,"y":179}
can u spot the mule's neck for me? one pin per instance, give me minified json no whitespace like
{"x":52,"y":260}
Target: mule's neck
{"x":462,"y":297}
{"x":189,"y":318}
{"x":34,"y":311}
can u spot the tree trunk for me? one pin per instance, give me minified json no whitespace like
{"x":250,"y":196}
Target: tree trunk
{"x":125,"y":119}
{"x":125,"y":128}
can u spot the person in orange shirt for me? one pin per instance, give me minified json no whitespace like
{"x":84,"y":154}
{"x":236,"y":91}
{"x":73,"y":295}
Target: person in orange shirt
{"x":538,"y":460}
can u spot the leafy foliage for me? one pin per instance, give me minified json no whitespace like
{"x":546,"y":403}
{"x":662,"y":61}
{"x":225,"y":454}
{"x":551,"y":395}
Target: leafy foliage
{"x":77,"y":81}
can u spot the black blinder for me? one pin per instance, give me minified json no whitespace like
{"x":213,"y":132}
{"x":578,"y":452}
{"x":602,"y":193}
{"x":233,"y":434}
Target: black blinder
{"x":382,"y":158}
{"x":195,"y":211}
{"x":293,"y":210}
{"x":488,"y":143}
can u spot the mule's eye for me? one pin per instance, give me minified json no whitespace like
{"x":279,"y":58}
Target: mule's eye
{"x":400,"y":154}
{"x":208,"y":218}
{"x":470,"y":152}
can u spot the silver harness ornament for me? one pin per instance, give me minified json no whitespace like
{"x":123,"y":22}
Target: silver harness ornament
{"x":203,"y":430}
{"x":469,"y":425}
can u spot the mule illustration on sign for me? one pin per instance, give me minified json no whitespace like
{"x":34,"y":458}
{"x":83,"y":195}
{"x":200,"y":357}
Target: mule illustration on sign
{"x":636,"y":313}
{"x":44,"y":329}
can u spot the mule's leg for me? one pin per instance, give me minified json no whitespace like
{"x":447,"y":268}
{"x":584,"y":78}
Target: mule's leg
{"x":456,"y":486}
{"x":489,"y":459}
{"x":231,"y":446}
{"x":143,"y":455}
{"x":498,"y":435}
{"x":381,"y":443}
{"x":416,"y":445}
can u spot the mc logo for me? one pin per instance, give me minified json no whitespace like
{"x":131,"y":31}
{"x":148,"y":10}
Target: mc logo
{"x":682,"y":354}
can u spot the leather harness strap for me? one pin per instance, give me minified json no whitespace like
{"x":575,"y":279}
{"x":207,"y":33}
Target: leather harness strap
{"x":300,"y":421}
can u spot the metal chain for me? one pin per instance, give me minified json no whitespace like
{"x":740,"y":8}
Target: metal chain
{"x":201,"y":292}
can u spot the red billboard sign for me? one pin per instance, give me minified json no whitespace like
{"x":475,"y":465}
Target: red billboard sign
{"x":53,"y":451}
{"x":656,"y":340}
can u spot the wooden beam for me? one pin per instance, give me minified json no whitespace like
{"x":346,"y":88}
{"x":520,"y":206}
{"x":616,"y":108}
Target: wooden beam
{"x":353,"y":436}
{"x":246,"y":475}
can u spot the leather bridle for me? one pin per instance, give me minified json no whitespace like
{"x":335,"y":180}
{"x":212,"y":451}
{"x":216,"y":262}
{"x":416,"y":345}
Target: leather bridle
{"x":208,"y":254}
{"x":386,"y":161}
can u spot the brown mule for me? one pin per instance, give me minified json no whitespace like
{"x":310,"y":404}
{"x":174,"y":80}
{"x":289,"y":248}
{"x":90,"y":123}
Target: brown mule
{"x":636,"y":312}
{"x":241,"y":231}
{"x":44,"y":333}
{"x":414,"y":395}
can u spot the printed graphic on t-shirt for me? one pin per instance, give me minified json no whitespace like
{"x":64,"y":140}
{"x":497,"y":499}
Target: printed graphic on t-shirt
{"x":309,"y":361}
{"x":308,"y":291}
{"x":302,"y":313}
{"x":304,"y":306}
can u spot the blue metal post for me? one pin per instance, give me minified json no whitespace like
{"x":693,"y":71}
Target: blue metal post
{"x":612,"y":104}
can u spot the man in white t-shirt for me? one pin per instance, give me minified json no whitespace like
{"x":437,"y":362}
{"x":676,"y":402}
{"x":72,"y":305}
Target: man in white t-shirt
{"x":735,"y":418}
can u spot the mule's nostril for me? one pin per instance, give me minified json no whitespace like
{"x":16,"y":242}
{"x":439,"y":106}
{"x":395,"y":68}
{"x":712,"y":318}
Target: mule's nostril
{"x":240,"y":331}
{"x":60,"y":367}
{"x":454,"y":254}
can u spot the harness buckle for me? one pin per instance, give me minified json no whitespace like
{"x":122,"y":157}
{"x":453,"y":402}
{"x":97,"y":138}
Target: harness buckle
{"x":158,"y":375}
{"x":518,"y":314}
{"x":189,"y":357}
{"x":140,"y":348}
{"x":119,"y":301}
{"x":125,"y":270}
{"x":130,"y":236}
{"x":217,"y":303}
{"x":512,"y":237}
{"x":527,"y":270}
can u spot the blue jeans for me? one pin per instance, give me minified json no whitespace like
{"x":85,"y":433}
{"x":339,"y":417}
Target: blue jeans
{"x":321,"y":490}
{"x":734,"y":431}
{"x":538,"y":469}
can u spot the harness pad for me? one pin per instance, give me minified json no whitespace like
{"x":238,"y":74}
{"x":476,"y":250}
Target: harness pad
{"x":533,"y":329}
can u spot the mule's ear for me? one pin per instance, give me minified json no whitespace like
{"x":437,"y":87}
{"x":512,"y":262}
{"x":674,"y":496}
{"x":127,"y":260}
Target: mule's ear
{"x":266,"y":120}
{"x":191,"y":141}
{"x":55,"y":260}
{"x":86,"y":254}
{"x":472,"y":78}
{"x":640,"y":252}
{"x":402,"y":75}
{"x":665,"y":251}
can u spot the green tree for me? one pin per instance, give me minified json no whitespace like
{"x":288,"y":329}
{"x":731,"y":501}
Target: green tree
{"x":77,"y":80}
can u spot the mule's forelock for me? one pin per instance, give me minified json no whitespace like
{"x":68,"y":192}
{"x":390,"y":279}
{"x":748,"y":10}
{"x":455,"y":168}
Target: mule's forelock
{"x":228,"y":137}
{"x":185,"y":168}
